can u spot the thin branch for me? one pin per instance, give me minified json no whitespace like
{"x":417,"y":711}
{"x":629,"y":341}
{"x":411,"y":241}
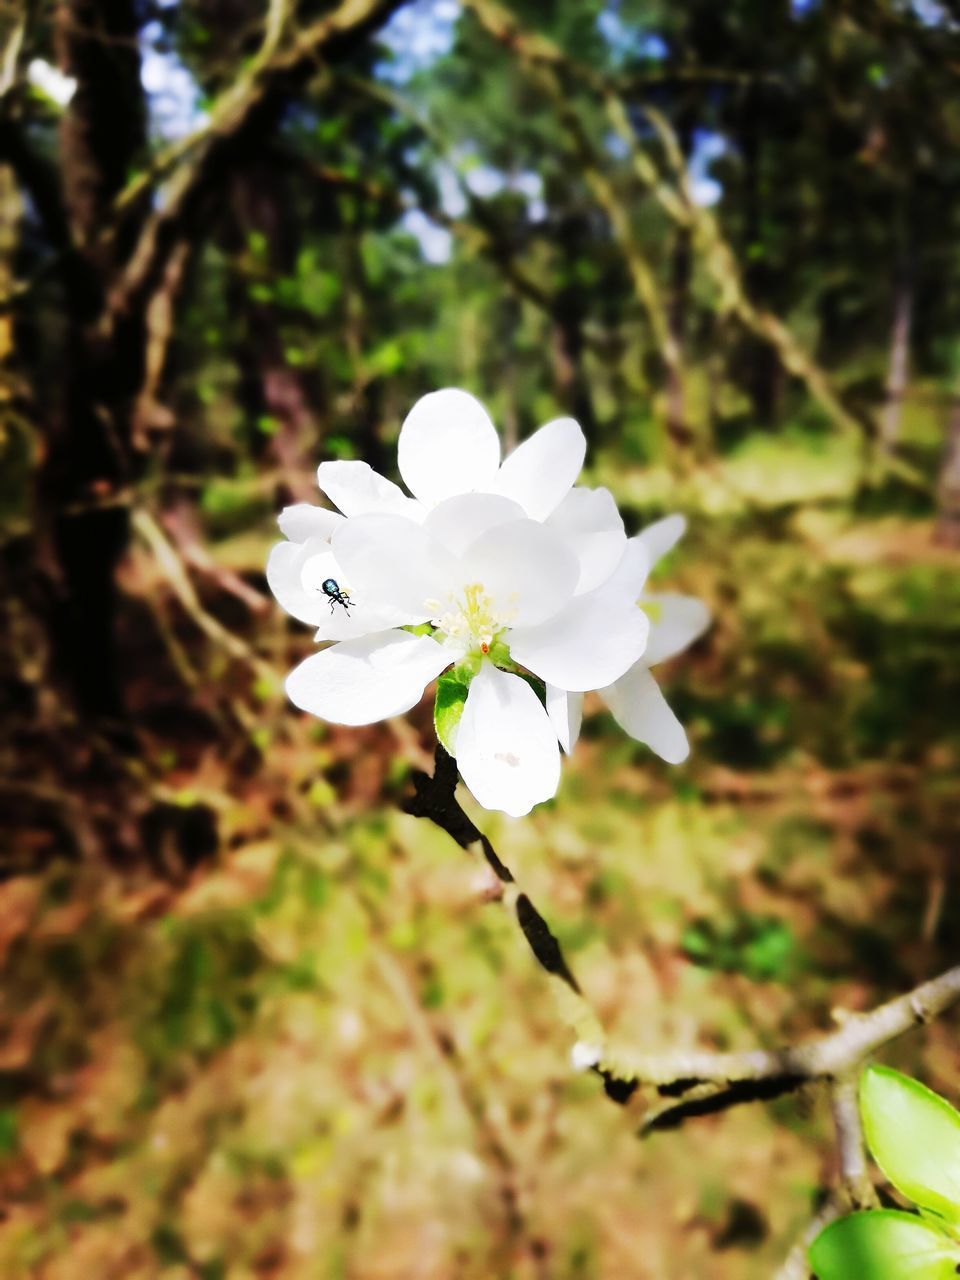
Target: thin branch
{"x":549,"y":64}
{"x":722,"y":265}
{"x":434,"y":798}
{"x":854,"y":1175}
{"x":856,"y":1190}
{"x":480,"y":232}
{"x":174,"y":570}
{"x":796,"y":1265}
{"x":11,"y":52}
{"x":39,"y":178}
{"x":148,"y":413}
{"x":697,"y":1083}
{"x":194,"y":162}
{"x":642,"y":275}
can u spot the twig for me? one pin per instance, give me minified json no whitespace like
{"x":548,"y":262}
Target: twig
{"x":434,"y":798}
{"x":175,"y":572}
{"x":697,"y":1082}
{"x":854,"y":1177}
{"x":191,"y":162}
{"x":795,"y":1265}
{"x":856,"y":1190}
{"x":549,"y":65}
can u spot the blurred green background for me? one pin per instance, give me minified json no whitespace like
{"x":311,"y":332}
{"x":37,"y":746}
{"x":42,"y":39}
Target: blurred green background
{"x":255,"y":1022}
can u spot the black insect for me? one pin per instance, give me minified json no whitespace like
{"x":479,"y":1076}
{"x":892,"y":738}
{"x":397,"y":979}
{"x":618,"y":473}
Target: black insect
{"x":331,"y":588}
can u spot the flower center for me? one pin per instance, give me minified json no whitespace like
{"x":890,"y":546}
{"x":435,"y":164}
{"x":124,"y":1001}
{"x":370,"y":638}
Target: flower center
{"x":472,"y":617}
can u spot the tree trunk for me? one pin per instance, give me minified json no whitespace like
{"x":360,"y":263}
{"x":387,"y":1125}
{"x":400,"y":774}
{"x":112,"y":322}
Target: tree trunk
{"x":764,"y":371}
{"x":569,"y":313}
{"x":88,"y":458}
{"x":569,"y":347}
{"x":899,"y":359}
{"x":272,"y":389}
{"x":947,"y":531}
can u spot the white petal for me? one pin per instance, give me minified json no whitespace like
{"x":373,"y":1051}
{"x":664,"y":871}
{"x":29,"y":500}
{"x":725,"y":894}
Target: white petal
{"x":447,"y":445}
{"x":542,"y":470}
{"x":285,"y":580}
{"x":663,"y":536}
{"x":628,"y":579}
{"x":588,"y":645}
{"x":295,"y":574}
{"x":360,"y":681}
{"x":360,"y":617}
{"x":642,"y":710}
{"x":566,"y":715}
{"x":507,"y":750}
{"x":525,"y":567}
{"x":303,"y":521}
{"x":389,"y":560}
{"x":456,"y":522}
{"x":358,"y":490}
{"x":590,"y":521}
{"x":675,"y":622}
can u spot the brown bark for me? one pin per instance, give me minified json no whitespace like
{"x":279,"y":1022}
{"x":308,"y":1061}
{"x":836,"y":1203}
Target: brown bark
{"x":88,"y":459}
{"x":899,"y":359}
{"x":271,"y":388}
{"x":115,"y":250}
{"x":947,"y":531}
{"x":763,"y":373}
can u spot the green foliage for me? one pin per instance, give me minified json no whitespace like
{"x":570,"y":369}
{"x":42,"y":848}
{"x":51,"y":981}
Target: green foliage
{"x":203,"y":992}
{"x":8,"y":1131}
{"x":452,"y":689}
{"x":883,"y":1245}
{"x":762,"y":948}
{"x":230,"y":1069}
{"x":914,"y":1136}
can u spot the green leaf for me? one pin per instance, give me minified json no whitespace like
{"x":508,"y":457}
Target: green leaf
{"x":914,"y":1135}
{"x":8,"y":1131}
{"x":883,"y":1244}
{"x":257,"y":243}
{"x":452,"y":689}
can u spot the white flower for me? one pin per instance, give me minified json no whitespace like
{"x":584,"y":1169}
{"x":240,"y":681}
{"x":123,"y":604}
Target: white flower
{"x":51,"y":82}
{"x":496,"y":567}
{"x":676,"y":621}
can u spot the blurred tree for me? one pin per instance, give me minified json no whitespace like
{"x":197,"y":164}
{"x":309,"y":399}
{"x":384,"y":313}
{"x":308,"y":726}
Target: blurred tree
{"x":239,"y":234}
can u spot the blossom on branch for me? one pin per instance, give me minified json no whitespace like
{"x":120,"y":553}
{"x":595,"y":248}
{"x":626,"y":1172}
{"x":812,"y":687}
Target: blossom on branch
{"x":522,"y":588}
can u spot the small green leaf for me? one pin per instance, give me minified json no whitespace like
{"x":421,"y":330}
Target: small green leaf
{"x":8,"y":1131}
{"x":451,"y":698}
{"x":257,"y":243}
{"x":914,"y":1135}
{"x":883,"y":1244}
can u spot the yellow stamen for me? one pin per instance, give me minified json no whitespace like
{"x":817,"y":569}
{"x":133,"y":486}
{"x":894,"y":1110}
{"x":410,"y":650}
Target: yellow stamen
{"x":472,"y":616}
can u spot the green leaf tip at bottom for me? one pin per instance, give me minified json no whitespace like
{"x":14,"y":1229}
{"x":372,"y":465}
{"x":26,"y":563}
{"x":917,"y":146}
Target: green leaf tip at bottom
{"x":452,"y":688}
{"x":884,"y":1244}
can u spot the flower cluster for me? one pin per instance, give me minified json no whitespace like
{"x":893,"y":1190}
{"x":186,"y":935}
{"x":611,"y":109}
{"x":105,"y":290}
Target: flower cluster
{"x":525,"y":587}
